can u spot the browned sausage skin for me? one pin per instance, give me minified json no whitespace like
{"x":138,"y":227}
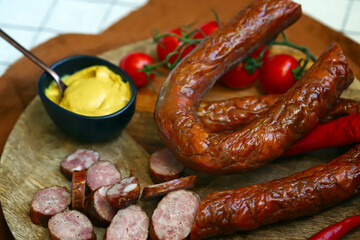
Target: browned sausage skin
{"x":302,"y":194}
{"x":236,"y":113}
{"x":291,"y":117}
{"x":78,"y":190}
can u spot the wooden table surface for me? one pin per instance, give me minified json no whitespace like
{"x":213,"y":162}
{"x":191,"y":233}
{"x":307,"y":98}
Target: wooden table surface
{"x":18,"y":84}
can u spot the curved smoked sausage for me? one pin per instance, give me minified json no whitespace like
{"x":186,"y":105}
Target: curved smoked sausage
{"x":301,"y":194}
{"x":291,"y":117}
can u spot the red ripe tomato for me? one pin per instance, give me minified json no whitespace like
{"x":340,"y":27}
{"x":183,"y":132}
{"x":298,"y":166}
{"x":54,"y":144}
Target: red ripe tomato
{"x":207,"y":28}
{"x":275,"y":74}
{"x":168,"y":44}
{"x":239,"y":77}
{"x":132,"y":63}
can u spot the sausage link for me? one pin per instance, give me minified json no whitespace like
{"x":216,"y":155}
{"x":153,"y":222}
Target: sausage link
{"x":236,"y":113}
{"x":302,"y":194}
{"x":291,"y":117}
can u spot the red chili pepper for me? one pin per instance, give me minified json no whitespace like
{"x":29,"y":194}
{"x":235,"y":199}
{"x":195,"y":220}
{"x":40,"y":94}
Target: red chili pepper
{"x":339,"y":132}
{"x":337,"y":230}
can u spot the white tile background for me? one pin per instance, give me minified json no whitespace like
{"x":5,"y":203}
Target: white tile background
{"x":32,"y":22}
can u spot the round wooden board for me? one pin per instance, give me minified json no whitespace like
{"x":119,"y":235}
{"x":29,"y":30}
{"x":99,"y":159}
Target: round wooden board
{"x":35,"y":148}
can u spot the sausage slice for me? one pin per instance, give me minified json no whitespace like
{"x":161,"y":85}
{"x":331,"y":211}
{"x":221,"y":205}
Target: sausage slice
{"x":164,"y":166}
{"x":79,"y":160}
{"x":98,"y":208}
{"x":162,"y":189}
{"x":48,"y":202}
{"x":174,"y":215}
{"x":129,"y":223}
{"x":102,"y":173}
{"x":71,"y":225}
{"x":124,"y":193}
{"x":78,"y":190}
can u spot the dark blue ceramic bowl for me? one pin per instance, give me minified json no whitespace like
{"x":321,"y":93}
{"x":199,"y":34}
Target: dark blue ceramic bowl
{"x":85,"y":128}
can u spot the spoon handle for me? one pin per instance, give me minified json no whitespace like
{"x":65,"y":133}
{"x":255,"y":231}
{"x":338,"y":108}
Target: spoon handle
{"x":33,"y":58}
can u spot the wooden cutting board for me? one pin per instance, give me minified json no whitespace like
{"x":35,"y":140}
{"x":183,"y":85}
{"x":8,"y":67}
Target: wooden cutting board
{"x":35,"y":148}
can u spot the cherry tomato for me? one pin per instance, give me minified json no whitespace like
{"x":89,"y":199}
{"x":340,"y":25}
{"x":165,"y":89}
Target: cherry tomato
{"x":275,"y":74}
{"x":207,"y":28}
{"x":131,"y":64}
{"x":168,"y":44}
{"x":238,"y":77}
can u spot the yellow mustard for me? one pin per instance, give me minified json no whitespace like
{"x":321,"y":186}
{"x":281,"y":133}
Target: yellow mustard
{"x":93,"y":91}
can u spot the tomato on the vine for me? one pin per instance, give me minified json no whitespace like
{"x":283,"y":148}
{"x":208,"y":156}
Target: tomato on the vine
{"x":132,"y":63}
{"x":168,"y":44}
{"x":239,"y":77}
{"x":275,"y":74}
{"x":207,"y":28}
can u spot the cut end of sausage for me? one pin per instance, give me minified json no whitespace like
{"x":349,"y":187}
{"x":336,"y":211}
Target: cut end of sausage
{"x":79,"y":160}
{"x":71,"y":225}
{"x":124,"y":193}
{"x":164,"y":166}
{"x":98,"y":207}
{"x":129,"y":223}
{"x":174,"y":216}
{"x":102,"y":173}
{"x":48,"y":202}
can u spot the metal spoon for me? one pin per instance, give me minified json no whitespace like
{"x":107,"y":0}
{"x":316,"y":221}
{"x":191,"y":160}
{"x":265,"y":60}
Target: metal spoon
{"x":62,"y":86}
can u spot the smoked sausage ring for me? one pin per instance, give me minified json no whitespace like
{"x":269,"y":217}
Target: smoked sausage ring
{"x":291,"y":117}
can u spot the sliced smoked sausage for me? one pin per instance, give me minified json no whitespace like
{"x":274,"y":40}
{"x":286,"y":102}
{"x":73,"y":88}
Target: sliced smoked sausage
{"x":301,"y":194}
{"x":47,"y":202}
{"x":124,"y":193}
{"x":78,"y":190}
{"x":164,"y":166}
{"x":79,"y":160}
{"x":174,"y":216}
{"x":128,"y":224}
{"x":161,"y":189}
{"x":71,"y":225}
{"x":97,"y":207}
{"x":102,"y":173}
